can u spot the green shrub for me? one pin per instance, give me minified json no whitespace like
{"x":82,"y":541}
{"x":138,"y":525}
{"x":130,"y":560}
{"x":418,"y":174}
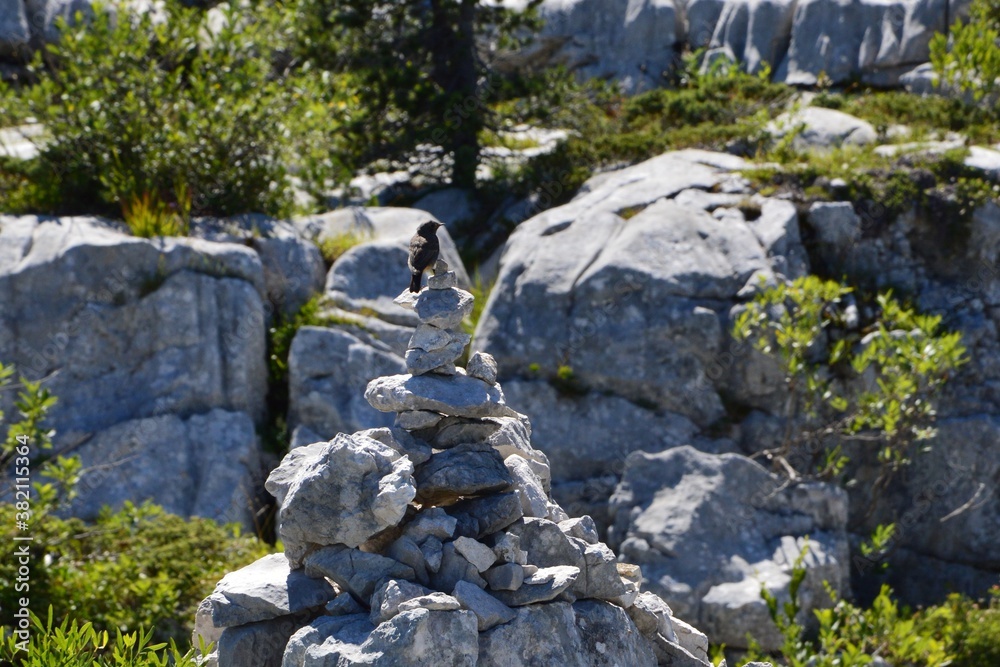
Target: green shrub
{"x":130,"y":569}
{"x":332,"y":247}
{"x":713,"y":111}
{"x":137,"y":108}
{"x":71,"y":644}
{"x":906,"y":353}
{"x":969,"y":57}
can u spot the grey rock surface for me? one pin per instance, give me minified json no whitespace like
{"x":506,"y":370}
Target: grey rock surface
{"x":489,"y":611}
{"x":212,"y":460}
{"x":478,"y":554}
{"x":478,"y":517}
{"x":435,"y":601}
{"x":353,"y":570}
{"x":443,"y":308}
{"x":404,"y":443}
{"x":260,"y":644}
{"x":365,"y":483}
{"x":748,"y":534}
{"x":544,"y":585}
{"x":458,"y":395}
{"x":634,"y":44}
{"x":483,"y":366}
{"x":417,"y":637}
{"x":819,"y":128}
{"x":293,"y":271}
{"x":590,"y":435}
{"x":603,"y":302}
{"x":389,"y":595}
{"x":130,"y":328}
{"x":328,"y":370}
{"x":466,"y":470}
{"x":587,"y":633}
{"x":266,"y":589}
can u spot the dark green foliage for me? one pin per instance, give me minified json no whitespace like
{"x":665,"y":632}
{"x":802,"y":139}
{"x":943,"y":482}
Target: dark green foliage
{"x":417,"y":70}
{"x":140,"y":109}
{"x":136,"y":568}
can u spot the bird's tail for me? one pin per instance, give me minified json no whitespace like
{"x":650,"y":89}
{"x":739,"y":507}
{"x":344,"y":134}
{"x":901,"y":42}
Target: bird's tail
{"x":415,"y":281}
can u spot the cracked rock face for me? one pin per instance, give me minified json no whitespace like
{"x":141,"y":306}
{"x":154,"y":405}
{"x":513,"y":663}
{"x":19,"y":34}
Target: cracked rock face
{"x":156,"y":351}
{"x":748,"y":533}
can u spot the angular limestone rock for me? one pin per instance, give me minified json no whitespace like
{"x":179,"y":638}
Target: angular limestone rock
{"x":435,"y":601}
{"x":400,"y":440}
{"x":458,"y":395}
{"x":483,"y":366}
{"x":266,"y":589}
{"x":467,"y":470}
{"x":362,"y":482}
{"x":546,"y":584}
{"x":419,"y":361}
{"x":354,"y":570}
{"x":479,"y":517}
{"x":444,"y":308}
{"x":414,"y":420}
{"x":477,"y":553}
{"x":389,"y":595}
{"x":506,"y":577}
{"x":489,"y":611}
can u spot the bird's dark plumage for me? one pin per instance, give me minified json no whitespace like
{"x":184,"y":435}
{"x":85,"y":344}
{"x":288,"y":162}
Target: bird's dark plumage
{"x":424,"y":249}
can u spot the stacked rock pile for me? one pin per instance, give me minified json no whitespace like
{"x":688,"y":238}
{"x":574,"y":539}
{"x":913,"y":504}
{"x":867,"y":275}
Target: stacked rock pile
{"x":435,"y":541}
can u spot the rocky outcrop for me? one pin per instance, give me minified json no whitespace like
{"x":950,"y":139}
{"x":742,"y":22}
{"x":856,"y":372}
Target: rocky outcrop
{"x":622,"y":344}
{"x":611,"y":312}
{"x":710,"y":531}
{"x":399,"y":553}
{"x":638,"y":43}
{"x":154,"y":348}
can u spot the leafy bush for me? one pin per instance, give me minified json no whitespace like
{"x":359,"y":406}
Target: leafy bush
{"x":131,"y":569}
{"x":969,"y":58}
{"x":70,"y":644}
{"x":139,"y":108}
{"x":905,"y":354}
{"x":33,"y":404}
{"x":957,"y":633}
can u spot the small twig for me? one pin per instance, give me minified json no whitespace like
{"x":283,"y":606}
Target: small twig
{"x":970,"y":504}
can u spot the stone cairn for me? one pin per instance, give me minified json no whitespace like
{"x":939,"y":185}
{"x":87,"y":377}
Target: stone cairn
{"x":436,"y":542}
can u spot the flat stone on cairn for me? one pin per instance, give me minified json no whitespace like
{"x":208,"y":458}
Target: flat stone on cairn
{"x":436,"y":541}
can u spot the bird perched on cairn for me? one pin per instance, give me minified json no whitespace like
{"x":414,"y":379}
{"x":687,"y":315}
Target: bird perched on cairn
{"x":424,"y":249}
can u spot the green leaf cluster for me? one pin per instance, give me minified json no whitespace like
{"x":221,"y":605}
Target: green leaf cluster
{"x":33,"y":403}
{"x":74,"y":644}
{"x":879,"y":387}
{"x":969,"y":57}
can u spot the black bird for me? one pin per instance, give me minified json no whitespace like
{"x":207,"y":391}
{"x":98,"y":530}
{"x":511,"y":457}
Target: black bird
{"x":424,"y":249}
